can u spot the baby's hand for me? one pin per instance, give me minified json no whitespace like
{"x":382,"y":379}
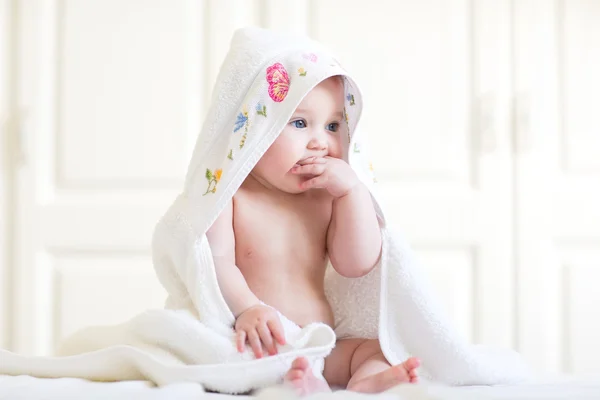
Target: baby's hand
{"x":256,"y":324}
{"x":329,"y":173}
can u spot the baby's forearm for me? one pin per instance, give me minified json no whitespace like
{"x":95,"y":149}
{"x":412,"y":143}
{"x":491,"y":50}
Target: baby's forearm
{"x":236,"y":292}
{"x":354,"y":237}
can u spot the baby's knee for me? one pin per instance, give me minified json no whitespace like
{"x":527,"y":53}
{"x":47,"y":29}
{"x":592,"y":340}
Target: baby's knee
{"x":368,"y":349}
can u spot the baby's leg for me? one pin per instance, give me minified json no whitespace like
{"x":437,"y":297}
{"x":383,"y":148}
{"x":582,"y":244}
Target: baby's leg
{"x":361,"y":366}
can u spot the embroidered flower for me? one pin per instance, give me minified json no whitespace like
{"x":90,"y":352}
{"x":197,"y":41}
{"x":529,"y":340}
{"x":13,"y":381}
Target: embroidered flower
{"x":279,"y":82}
{"x":261,"y":110}
{"x":310,"y":57}
{"x":242,"y":119}
{"x":347,"y":124}
{"x":372,"y":172}
{"x":301,"y":71}
{"x":350,"y":98}
{"x":212,"y":179}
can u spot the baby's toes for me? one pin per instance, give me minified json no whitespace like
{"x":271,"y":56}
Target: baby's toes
{"x":294,"y":374}
{"x":413,"y":376}
{"x":413,"y":373}
{"x":300,"y":363}
{"x":411,"y":364}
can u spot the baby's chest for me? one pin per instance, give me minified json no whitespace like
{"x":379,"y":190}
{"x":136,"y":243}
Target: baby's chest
{"x":268,"y":228}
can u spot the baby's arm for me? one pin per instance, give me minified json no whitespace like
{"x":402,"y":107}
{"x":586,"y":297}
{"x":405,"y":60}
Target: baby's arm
{"x":255,"y":322}
{"x":354,"y":237}
{"x":221,"y":238}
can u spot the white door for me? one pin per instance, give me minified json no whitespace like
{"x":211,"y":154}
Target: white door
{"x":435,"y":76}
{"x":110,"y":94}
{"x":558,"y":183}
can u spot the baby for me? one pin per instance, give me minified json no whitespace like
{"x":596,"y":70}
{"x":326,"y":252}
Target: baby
{"x":300,"y":207}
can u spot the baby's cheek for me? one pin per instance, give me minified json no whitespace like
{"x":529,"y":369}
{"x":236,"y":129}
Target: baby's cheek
{"x":335,"y":150}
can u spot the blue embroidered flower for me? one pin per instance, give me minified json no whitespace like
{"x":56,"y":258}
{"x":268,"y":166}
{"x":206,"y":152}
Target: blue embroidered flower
{"x":242,"y":118}
{"x":350,"y":98}
{"x":261,"y":110}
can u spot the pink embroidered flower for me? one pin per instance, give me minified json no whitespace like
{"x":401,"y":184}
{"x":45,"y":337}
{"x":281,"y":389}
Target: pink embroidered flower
{"x":279,"y":82}
{"x":310,"y":56}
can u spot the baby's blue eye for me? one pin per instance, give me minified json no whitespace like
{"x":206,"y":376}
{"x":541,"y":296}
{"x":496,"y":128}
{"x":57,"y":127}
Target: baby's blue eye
{"x":333,"y":127}
{"x":300,"y":124}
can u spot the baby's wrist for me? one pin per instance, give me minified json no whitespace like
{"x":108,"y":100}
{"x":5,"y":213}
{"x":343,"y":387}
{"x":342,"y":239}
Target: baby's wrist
{"x":246,"y":308}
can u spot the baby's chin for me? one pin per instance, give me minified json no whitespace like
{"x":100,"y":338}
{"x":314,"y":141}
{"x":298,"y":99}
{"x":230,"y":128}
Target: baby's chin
{"x":290,"y":184}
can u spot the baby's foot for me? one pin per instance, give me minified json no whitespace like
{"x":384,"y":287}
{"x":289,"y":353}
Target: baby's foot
{"x":301,"y":378}
{"x":402,"y":373}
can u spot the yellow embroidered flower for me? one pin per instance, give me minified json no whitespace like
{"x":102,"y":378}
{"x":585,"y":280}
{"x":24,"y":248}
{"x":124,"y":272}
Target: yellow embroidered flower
{"x":213,"y":179}
{"x":371,"y":166}
{"x":301,"y":71}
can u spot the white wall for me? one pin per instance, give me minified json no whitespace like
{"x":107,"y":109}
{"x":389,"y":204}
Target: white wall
{"x":5,"y":184}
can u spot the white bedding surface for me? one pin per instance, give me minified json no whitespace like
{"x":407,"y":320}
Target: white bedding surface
{"x":26,"y":387}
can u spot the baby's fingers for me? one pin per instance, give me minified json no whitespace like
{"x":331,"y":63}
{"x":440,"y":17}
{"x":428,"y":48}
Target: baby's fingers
{"x":254,"y":340}
{"x":309,"y":169}
{"x":277,"y":330}
{"x":314,"y":183}
{"x":240,"y":340}
{"x":267,"y":339}
{"x":313,"y":160}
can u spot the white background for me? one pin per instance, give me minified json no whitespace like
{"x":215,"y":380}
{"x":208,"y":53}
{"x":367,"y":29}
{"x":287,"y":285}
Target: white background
{"x":485,"y":123}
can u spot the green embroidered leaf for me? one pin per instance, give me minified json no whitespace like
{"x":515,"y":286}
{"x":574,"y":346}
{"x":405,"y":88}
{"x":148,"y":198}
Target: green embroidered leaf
{"x":209,"y":174}
{"x":230,"y":155}
{"x":261,"y":111}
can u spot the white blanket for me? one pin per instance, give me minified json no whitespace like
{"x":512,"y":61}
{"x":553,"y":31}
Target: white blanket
{"x":264,"y":77}
{"x":30,"y":388}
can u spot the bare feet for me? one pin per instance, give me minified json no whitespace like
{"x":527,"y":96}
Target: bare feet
{"x":402,"y":373}
{"x":301,"y":378}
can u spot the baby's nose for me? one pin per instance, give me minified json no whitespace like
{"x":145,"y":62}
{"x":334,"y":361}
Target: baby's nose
{"x":317,"y":144}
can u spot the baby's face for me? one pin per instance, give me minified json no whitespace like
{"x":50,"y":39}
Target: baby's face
{"x":314,"y":129}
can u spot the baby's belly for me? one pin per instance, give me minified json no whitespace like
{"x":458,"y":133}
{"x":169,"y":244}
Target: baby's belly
{"x":299,"y":306}
{"x":301,"y":299}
